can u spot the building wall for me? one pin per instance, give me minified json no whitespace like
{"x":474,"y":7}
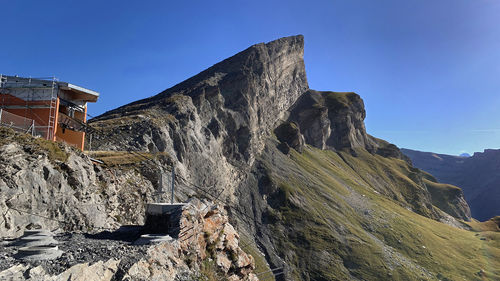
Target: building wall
{"x":41,"y":117}
{"x":70,"y":137}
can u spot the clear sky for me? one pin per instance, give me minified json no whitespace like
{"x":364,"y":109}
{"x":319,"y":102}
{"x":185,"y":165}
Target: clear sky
{"x":428,"y":70}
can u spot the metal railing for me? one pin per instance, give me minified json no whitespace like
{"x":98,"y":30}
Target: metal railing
{"x":21,"y":124}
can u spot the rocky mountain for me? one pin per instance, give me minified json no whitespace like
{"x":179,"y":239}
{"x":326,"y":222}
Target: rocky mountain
{"x":478,"y":176}
{"x":311,"y":194}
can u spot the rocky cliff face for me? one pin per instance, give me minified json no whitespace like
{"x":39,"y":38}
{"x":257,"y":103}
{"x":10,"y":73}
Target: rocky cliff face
{"x":478,"y":176}
{"x":329,"y":119}
{"x":215,"y":123}
{"x":218,"y":127}
{"x":40,"y":179}
{"x":334,"y":120}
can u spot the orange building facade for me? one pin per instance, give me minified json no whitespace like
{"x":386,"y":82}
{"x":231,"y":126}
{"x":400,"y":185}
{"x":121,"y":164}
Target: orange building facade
{"x":50,"y":109}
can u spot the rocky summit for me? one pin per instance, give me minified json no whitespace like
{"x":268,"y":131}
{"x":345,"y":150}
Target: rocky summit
{"x":309,"y":193}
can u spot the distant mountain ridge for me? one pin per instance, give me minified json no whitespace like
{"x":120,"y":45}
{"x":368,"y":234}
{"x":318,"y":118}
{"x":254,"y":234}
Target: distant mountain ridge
{"x":478,"y":176}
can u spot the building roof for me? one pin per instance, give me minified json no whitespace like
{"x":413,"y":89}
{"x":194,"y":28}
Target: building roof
{"x":89,"y":95}
{"x":12,"y":82}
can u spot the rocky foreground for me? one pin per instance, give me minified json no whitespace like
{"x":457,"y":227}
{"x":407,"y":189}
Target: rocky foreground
{"x":206,"y":247}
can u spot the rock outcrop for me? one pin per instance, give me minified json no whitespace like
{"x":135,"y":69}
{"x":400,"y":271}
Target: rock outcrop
{"x":208,"y":247}
{"x":207,"y":244}
{"x":448,"y":198}
{"x":290,"y":137}
{"x":52,"y":186}
{"x":332,"y":119}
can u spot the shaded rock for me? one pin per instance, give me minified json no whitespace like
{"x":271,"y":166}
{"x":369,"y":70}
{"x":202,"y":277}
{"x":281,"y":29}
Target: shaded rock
{"x":386,"y":149}
{"x":289,"y":134}
{"x":332,"y":119}
{"x":312,"y":118}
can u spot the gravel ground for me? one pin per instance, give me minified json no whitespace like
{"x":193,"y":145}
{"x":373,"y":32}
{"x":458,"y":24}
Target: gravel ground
{"x":81,"y":248}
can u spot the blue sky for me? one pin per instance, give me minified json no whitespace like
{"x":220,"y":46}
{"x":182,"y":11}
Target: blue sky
{"x":428,"y":71}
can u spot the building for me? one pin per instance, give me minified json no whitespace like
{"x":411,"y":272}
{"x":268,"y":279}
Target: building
{"x":47,"y":108}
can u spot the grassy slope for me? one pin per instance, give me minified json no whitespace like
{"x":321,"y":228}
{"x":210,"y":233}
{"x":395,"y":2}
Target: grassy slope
{"x":113,"y":158}
{"x":54,"y":151}
{"x":337,"y":226}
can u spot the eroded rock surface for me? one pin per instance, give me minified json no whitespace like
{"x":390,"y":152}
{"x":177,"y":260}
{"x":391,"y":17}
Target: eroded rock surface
{"x":62,"y":190}
{"x":208,"y":245}
{"x":332,"y":119}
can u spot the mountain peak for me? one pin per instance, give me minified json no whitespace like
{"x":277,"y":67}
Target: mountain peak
{"x":238,"y":100}
{"x":257,"y":59}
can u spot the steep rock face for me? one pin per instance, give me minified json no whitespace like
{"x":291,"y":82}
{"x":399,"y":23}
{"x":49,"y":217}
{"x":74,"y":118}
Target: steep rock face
{"x":43,"y":184}
{"x":218,"y":125}
{"x":478,"y":176}
{"x":332,"y":119}
{"x":235,"y":101}
{"x":213,"y":124}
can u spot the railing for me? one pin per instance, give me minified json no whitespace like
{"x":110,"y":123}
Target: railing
{"x":21,"y":124}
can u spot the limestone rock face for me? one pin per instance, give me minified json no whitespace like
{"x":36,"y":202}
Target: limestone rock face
{"x":71,"y":194}
{"x":214,"y":123}
{"x":332,"y":119}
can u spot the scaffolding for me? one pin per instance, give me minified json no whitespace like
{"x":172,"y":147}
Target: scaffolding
{"x":55,"y":110}
{"x":29,"y":94}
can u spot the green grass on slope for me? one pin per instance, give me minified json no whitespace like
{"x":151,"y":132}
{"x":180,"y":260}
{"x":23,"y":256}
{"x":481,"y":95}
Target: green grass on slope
{"x":261,"y":265}
{"x":337,"y":224}
{"x":444,"y":195}
{"x":115,"y":158}
{"x":55,"y":151}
